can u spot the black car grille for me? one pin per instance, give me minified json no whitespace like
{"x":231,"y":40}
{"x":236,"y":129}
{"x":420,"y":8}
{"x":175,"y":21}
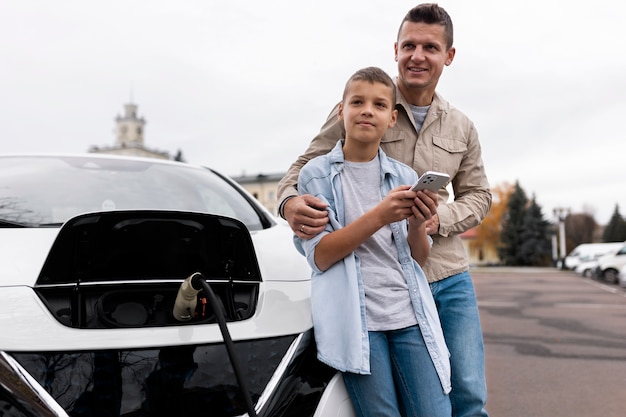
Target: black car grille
{"x":184,"y":380}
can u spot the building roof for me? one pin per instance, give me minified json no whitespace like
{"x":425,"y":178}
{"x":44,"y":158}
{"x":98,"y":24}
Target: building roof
{"x":247,"y":179}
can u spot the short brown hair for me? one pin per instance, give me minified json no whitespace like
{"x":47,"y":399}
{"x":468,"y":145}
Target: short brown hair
{"x":372,"y":75}
{"x":431,"y":13}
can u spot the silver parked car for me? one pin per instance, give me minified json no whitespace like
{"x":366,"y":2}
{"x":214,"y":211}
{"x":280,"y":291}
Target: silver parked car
{"x":141,"y":288}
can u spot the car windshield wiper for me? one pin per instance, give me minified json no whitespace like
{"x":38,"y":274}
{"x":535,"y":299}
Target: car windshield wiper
{"x":4,"y":223}
{"x":7,"y":223}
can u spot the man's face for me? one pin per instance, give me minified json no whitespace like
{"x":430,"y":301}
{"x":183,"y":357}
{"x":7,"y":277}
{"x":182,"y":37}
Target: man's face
{"x":421,"y":53}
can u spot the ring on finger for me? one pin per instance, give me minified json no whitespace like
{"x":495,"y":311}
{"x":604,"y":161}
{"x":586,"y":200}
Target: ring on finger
{"x":302,"y":229}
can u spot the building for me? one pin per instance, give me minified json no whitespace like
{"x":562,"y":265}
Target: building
{"x":129,"y":137}
{"x":478,"y":254}
{"x":263,"y":187}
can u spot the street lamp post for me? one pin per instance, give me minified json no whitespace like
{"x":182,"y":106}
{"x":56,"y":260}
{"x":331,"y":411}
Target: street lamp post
{"x":561,"y":214}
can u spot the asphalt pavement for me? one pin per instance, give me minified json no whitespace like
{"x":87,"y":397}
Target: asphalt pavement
{"x":555,"y":343}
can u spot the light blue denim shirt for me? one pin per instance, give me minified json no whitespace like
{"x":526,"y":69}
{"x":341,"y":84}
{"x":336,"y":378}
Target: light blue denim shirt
{"x":337,"y":296}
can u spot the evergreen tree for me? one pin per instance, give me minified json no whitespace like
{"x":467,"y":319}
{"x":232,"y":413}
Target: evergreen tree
{"x":536,"y":247}
{"x":615,"y":231}
{"x":179,"y":156}
{"x":512,"y":228}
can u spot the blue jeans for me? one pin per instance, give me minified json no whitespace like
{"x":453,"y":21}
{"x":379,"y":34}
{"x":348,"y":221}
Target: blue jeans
{"x":458,"y":312}
{"x":403,"y":380}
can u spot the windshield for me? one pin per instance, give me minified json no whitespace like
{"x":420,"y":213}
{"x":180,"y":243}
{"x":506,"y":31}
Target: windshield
{"x":49,"y":190}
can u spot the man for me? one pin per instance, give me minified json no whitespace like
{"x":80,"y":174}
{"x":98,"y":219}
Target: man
{"x":429,"y":134}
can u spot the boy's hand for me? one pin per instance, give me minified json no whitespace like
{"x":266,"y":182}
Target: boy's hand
{"x":424,"y":209}
{"x":397,"y":205}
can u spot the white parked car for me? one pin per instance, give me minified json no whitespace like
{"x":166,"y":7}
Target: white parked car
{"x":609,"y":265}
{"x":93,"y":252}
{"x":588,"y":251}
{"x":587,"y":267}
{"x":621,"y":276}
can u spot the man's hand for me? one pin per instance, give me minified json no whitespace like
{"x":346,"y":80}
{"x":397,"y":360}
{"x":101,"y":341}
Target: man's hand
{"x":432,"y":225}
{"x":306,"y":215}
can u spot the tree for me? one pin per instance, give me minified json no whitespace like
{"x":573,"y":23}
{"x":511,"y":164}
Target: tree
{"x":512,"y":227}
{"x":615,"y":231}
{"x":579,"y":228}
{"x":488,"y":232}
{"x":525,"y":237}
{"x":179,"y":156}
{"x":535,"y":247}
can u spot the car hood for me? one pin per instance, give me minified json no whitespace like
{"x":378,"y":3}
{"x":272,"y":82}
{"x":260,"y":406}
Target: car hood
{"x":278,"y":258}
{"x":24,"y":251}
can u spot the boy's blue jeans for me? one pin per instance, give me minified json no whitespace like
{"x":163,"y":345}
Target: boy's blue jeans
{"x":458,"y":312}
{"x":403,"y":380}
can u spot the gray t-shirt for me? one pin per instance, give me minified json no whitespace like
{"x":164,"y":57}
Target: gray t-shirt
{"x":387,"y":301}
{"x":419,"y":115}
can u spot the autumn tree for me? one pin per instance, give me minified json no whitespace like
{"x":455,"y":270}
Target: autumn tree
{"x":488,"y":232}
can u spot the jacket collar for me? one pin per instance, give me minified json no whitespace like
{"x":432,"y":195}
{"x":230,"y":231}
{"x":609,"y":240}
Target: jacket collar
{"x":439,"y":104}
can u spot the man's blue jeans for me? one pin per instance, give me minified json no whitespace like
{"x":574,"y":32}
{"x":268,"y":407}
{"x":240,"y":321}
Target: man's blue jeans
{"x":403,"y":380}
{"x":458,"y":312}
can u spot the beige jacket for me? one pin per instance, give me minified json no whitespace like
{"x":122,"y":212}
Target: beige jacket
{"x":448,"y":142}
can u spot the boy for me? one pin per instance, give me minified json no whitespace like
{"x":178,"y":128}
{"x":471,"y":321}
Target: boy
{"x":374,"y":316}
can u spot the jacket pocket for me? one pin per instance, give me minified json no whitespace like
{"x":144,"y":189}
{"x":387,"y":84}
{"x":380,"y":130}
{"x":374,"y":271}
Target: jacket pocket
{"x":449,"y":145}
{"x":448,"y":154}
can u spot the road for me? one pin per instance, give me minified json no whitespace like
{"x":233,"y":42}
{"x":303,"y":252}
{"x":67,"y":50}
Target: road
{"x":555,"y":343}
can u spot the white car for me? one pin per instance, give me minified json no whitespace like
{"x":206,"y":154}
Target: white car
{"x":97,"y":313}
{"x":621,"y":276}
{"x":609,"y":265}
{"x":588,"y":251}
{"x":587,"y":268}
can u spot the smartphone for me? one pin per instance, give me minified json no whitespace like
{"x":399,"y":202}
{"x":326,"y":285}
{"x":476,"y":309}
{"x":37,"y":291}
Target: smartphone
{"x":431,"y":180}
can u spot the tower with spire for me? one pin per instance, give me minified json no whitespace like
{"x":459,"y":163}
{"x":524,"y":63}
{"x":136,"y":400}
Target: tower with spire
{"x":129,"y":128}
{"x":129,"y":136}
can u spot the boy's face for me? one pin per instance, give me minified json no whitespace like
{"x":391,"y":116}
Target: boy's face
{"x":367,"y":111}
{"x":421,"y":53}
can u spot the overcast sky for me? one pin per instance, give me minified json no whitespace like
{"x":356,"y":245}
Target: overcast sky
{"x":243,"y":86}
